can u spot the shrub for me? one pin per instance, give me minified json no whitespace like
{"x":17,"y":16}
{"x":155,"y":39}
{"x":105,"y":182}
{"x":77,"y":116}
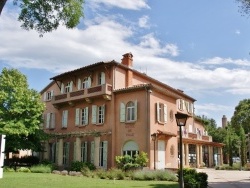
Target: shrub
{"x":77,"y":166}
{"x":165,"y":175}
{"x":90,"y":165}
{"x":114,"y":173}
{"x":101,"y":173}
{"x":87,"y":172}
{"x":41,"y":169}
{"x":47,"y":162}
{"x":141,"y":159}
{"x":192,"y":179}
{"x":23,"y":169}
{"x":7,"y":169}
{"x":160,"y":175}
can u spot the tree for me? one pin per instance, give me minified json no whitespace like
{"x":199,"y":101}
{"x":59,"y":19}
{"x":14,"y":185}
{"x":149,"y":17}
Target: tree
{"x":45,"y":16}
{"x":244,"y":6}
{"x":20,"y":112}
{"x":241,"y":117}
{"x":242,"y":146}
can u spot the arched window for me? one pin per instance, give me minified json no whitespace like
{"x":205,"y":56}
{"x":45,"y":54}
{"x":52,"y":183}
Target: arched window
{"x":130,"y":148}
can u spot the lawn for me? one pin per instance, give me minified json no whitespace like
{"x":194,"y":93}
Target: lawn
{"x":38,"y":180}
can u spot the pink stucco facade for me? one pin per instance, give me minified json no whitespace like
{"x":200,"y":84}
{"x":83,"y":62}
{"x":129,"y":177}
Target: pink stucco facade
{"x":108,"y":109}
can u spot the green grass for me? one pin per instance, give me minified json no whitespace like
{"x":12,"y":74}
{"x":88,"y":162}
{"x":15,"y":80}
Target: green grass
{"x":45,"y":180}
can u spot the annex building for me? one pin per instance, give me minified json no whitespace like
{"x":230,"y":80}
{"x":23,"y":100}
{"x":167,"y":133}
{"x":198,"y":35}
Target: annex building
{"x":107,"y":109}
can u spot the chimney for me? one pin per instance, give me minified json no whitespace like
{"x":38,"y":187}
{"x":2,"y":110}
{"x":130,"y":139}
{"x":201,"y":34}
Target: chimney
{"x":224,"y":121}
{"x":127,"y":59}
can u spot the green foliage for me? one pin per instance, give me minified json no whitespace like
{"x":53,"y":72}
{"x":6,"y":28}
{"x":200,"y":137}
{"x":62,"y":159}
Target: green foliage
{"x":160,"y":175}
{"x":87,"y":172}
{"x":46,"y":16}
{"x":194,"y":179}
{"x":77,"y":166}
{"x":23,"y":169}
{"x":115,"y":173}
{"x":41,"y":169}
{"x":20,"y":112}
{"x":127,"y":162}
{"x":244,"y":7}
{"x":7,"y":169}
{"x":141,"y":159}
{"x":241,"y":116}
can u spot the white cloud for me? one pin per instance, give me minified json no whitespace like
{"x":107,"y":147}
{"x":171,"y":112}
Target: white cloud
{"x":123,"y":4}
{"x":221,"y":61}
{"x":143,"y":22}
{"x":237,"y":32}
{"x":151,"y":42}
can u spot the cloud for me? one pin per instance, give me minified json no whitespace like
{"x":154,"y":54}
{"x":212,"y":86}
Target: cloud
{"x":123,"y":4}
{"x":237,"y":32}
{"x":221,"y":61}
{"x":151,"y":42}
{"x":105,"y":39}
{"x":143,"y":22}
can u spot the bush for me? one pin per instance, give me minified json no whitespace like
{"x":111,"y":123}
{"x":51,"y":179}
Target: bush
{"x":47,"y":162}
{"x":7,"y":169}
{"x":114,"y":173}
{"x":127,"y":162}
{"x":164,"y":175}
{"x":192,"y":179}
{"x":77,"y":166}
{"x":101,"y":173}
{"x":41,"y":169}
{"x":160,"y":175}
{"x":23,"y":169}
{"x":87,"y":172}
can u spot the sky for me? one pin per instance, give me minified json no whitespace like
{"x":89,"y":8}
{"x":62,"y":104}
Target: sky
{"x":201,"y":47}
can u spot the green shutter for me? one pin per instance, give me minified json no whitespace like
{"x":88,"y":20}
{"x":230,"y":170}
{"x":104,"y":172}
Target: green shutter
{"x":122,"y":112}
{"x":92,"y":154}
{"x":94,"y":114}
{"x":87,"y":115}
{"x":105,"y":154}
{"x":136,"y":106}
{"x":77,"y":117}
{"x":165,"y":110}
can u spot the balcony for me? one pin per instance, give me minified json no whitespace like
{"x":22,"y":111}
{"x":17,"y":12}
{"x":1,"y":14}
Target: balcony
{"x":195,"y":136}
{"x":87,"y":94}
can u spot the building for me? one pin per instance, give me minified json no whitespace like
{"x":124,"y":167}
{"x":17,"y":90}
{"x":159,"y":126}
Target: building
{"x":107,"y":109}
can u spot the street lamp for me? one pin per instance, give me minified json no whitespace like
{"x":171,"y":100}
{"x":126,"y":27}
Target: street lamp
{"x":154,"y":136}
{"x":181,"y":122}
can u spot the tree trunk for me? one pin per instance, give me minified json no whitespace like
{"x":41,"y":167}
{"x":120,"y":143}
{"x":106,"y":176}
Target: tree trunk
{"x":2,"y":3}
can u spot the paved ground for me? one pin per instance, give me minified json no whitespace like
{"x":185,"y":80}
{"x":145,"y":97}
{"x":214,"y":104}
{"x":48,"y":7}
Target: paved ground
{"x":227,"y":178}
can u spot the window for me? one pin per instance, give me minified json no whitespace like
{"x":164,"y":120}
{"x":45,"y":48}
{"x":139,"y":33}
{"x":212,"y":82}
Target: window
{"x":48,"y":95}
{"x":84,"y":152}
{"x":161,"y":112}
{"x":101,"y":78}
{"x":98,"y":114}
{"x":50,"y":120}
{"x":103,"y":154}
{"x":52,"y":153}
{"x":67,"y":88}
{"x":128,"y":113}
{"x":81,"y":117}
{"x":66,"y":153}
{"x":85,"y":83}
{"x":180,"y":104}
{"x":130,"y":148}
{"x":64,"y":118}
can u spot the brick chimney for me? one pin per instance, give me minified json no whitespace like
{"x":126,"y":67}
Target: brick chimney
{"x":224,"y":121}
{"x":127,"y":59}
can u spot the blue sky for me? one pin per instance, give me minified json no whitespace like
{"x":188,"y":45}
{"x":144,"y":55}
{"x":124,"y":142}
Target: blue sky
{"x":201,"y":47}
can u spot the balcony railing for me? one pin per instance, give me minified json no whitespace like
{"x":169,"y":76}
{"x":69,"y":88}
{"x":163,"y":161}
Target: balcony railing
{"x":195,"y":136}
{"x":87,"y":93}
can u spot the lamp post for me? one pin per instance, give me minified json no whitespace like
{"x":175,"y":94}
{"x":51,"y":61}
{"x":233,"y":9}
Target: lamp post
{"x":154,"y":136}
{"x":181,"y":122}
